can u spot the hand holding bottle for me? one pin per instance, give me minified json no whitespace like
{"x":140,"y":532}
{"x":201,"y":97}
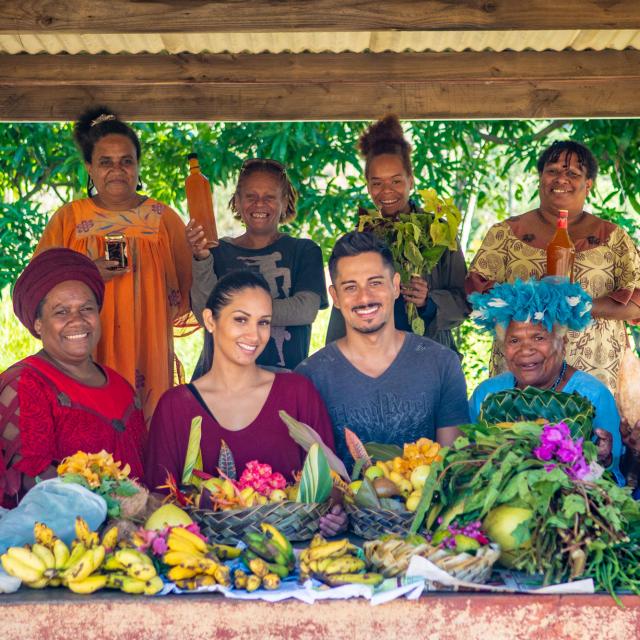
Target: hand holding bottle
{"x":197,"y":241}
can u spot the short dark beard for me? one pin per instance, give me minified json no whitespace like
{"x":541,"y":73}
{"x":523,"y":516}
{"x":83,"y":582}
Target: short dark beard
{"x":370,"y":329}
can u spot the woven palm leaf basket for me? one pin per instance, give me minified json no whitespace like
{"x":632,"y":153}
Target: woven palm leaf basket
{"x":392,"y":558}
{"x":371,"y":523}
{"x":297,"y":521}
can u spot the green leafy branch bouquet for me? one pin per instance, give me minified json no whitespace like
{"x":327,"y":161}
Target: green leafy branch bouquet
{"x":543,"y":498}
{"x":414,"y":251}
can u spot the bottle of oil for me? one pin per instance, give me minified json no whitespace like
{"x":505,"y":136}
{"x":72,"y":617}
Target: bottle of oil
{"x":561,"y":251}
{"x":200,"y":201}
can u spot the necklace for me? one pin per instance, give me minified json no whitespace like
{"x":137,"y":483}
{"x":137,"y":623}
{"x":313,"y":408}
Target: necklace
{"x":556,"y":384}
{"x":563,"y":370}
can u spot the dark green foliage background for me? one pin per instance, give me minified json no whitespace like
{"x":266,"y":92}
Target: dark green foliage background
{"x":491,"y":160}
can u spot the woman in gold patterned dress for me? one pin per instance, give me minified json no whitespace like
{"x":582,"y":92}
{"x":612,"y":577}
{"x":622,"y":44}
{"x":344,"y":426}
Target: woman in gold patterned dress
{"x":607,"y":262}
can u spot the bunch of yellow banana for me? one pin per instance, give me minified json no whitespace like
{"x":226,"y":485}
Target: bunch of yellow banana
{"x":131,"y":571}
{"x":49,"y":562}
{"x":193,"y":562}
{"x":269,"y":558}
{"x":335,"y":564}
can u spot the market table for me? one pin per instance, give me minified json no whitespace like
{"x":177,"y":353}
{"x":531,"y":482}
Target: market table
{"x":58,"y":614}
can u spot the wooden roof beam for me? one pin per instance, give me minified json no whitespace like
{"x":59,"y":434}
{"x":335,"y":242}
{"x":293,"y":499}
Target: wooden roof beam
{"x":173,"y":16}
{"x":529,"y":84}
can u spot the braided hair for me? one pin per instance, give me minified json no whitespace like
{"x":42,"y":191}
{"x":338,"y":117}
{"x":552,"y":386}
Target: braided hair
{"x":274,"y":169}
{"x":385,"y":137}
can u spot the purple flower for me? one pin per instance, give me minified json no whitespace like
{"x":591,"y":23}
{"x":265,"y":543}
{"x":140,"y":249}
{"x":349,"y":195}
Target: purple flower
{"x":556,"y":443}
{"x":543,"y":452}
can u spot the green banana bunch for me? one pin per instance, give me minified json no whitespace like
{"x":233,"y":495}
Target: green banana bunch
{"x":271,"y":546}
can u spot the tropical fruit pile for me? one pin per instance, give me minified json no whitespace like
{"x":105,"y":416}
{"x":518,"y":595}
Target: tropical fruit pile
{"x":269,"y":558}
{"x":335,"y":563}
{"x":258,"y":484}
{"x":400,"y":478}
{"x":92,"y":563}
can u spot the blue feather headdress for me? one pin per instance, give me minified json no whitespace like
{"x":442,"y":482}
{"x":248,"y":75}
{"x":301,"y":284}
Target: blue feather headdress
{"x":539,"y":301}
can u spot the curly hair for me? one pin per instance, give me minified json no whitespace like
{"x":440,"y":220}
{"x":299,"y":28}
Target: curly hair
{"x":385,"y":137}
{"x":275,"y":169}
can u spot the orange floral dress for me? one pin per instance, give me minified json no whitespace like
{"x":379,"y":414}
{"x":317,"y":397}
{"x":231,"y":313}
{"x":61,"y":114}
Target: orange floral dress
{"x":142,"y":307}
{"x":606,"y":264}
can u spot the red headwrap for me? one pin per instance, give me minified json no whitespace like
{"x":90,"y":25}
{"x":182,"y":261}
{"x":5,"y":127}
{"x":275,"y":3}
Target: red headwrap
{"x":47,"y":270}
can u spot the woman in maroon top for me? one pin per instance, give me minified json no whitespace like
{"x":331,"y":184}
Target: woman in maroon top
{"x":60,"y":401}
{"x":238,"y":400}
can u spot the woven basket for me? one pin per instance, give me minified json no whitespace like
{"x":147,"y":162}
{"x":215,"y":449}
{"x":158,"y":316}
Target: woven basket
{"x":373,"y":523}
{"x":297,"y":521}
{"x":392,"y":558}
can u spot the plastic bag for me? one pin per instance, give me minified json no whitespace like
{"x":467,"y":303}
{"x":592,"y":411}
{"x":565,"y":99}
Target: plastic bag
{"x":56,"y":503}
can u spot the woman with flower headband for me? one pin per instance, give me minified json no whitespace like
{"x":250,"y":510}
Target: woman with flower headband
{"x":263,"y":199}
{"x":530,"y":321}
{"x":145,"y":300}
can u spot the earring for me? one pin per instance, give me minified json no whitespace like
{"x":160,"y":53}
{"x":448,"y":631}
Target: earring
{"x":91,"y":188}
{"x":139,"y":186}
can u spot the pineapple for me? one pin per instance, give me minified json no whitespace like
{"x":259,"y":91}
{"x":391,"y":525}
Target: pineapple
{"x":532,"y":404}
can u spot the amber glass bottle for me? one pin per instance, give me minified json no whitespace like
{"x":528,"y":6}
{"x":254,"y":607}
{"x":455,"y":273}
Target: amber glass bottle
{"x":561,"y":251}
{"x":199,"y":200}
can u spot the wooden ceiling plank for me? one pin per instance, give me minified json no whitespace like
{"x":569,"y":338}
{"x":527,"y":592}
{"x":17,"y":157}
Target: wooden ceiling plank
{"x":189,"y":16}
{"x":187,"y":69}
{"x":233,"y":102}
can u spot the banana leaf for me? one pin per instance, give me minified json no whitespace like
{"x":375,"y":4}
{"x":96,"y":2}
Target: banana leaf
{"x":305,"y":436}
{"x":383,"y":452}
{"x":315,"y":481}
{"x":193,"y":457}
{"x":226,"y":463}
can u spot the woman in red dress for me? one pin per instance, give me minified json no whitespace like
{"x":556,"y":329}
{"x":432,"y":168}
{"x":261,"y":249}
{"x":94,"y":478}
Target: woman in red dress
{"x":60,"y":401}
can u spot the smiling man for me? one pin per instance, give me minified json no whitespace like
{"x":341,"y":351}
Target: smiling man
{"x":386,"y":385}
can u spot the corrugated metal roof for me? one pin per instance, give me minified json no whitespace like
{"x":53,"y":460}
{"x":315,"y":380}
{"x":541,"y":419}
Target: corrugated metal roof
{"x":319,"y":42}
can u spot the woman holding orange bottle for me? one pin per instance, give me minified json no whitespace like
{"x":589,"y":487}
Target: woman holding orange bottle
{"x":607,"y":263}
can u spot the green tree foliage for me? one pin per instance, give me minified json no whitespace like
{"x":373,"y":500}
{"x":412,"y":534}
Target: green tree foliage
{"x":487,"y":162}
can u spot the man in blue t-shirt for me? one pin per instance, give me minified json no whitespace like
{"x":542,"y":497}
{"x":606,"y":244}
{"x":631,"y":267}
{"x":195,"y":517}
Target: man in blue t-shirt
{"x":386,"y":385}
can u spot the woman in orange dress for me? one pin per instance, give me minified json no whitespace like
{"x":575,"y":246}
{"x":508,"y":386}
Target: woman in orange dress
{"x":145,"y":300}
{"x":607,"y":263}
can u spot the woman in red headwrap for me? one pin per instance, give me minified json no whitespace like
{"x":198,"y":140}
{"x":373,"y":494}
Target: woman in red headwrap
{"x":60,"y":401}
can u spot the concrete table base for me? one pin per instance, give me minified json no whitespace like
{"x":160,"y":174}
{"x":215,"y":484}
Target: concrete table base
{"x":57,"y":614}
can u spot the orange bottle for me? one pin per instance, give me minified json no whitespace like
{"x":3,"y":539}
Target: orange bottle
{"x":200,"y":201}
{"x":561,"y":251}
